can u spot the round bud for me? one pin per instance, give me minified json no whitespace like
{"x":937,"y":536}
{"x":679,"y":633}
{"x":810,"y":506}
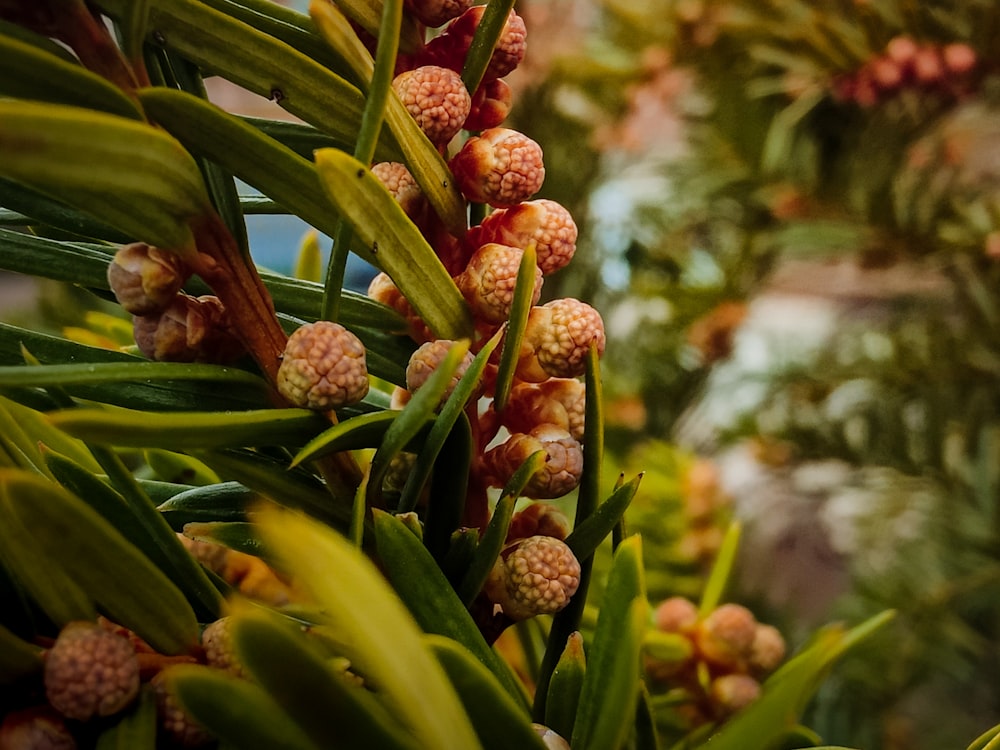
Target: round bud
{"x":401,"y":185}
{"x":217,"y":641}
{"x":436,"y":98}
{"x":534,"y":576}
{"x":731,"y":692}
{"x":676,"y":614}
{"x":544,"y":222}
{"x":767,"y":650}
{"x":557,"y":338}
{"x":174,"y":721}
{"x":490,"y":105}
{"x":558,"y":401}
{"x":725,"y":638}
{"x":323,"y":367}
{"x":36,"y":728}
{"x":558,"y":475}
{"x":144,"y":278}
{"x":427,"y":358}
{"x":489,"y":280}
{"x":501,"y":167}
{"x":434,"y":13}
{"x":90,"y":672}
{"x":190,"y":329}
{"x":538,"y":519}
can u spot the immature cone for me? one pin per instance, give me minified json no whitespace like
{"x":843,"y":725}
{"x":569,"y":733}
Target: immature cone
{"x":489,"y":280}
{"x":37,"y":728}
{"x":562,"y":468}
{"x":534,"y":576}
{"x":144,"y":278}
{"x":427,"y":358}
{"x":538,"y":519}
{"x":174,"y":721}
{"x":434,"y":13}
{"x":217,"y":640}
{"x":676,"y":614}
{"x":451,"y":47}
{"x":402,"y":186}
{"x":558,"y":401}
{"x":767,"y":649}
{"x":90,"y":672}
{"x":731,"y":692}
{"x":501,"y":167}
{"x":323,"y":367}
{"x":557,"y":338}
{"x":436,"y":98}
{"x":382,"y":289}
{"x":491,"y":103}
{"x":544,"y":222}
{"x":190,"y":329}
{"x":725,"y":637}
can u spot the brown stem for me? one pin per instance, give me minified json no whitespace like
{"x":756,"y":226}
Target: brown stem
{"x":90,"y":39}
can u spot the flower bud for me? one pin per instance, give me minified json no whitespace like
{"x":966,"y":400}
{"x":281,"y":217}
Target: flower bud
{"x":90,"y":672}
{"x":534,"y":576}
{"x":767,"y":649}
{"x":558,"y":475}
{"x":501,"y":167}
{"x":145,"y":279}
{"x":509,"y":49}
{"x":557,"y":338}
{"x":539,"y":519}
{"x":323,"y":367}
{"x":436,"y":98}
{"x":190,"y":329}
{"x":489,"y":280}
{"x":401,"y":186}
{"x":731,"y":692}
{"x":725,"y":638}
{"x":676,"y":614}
{"x":217,"y":640}
{"x":558,"y":401}
{"x":427,"y":358}
{"x":544,"y":222}
{"x":490,"y":105}
{"x":175,"y":722}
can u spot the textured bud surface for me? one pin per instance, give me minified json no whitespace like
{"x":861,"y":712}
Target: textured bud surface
{"x":546,"y":223}
{"x":190,"y":329}
{"x":491,"y":103}
{"x":510,"y":46}
{"x":436,"y":13}
{"x":38,"y":728}
{"x":767,"y":649}
{"x":217,"y":641}
{"x":557,"y":338}
{"x":559,"y":474}
{"x":731,"y":692}
{"x":401,"y":185}
{"x":539,"y":519}
{"x":436,"y":98}
{"x":534,"y":576}
{"x":427,"y":358}
{"x":676,"y":614}
{"x":489,"y":280}
{"x":726,"y":636}
{"x":90,"y":672}
{"x":501,"y":167}
{"x":175,"y":722}
{"x":323,"y":367}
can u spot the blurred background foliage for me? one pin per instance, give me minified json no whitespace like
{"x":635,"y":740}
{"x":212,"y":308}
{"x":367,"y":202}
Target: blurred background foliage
{"x":795,"y":248}
{"x":791,"y":223}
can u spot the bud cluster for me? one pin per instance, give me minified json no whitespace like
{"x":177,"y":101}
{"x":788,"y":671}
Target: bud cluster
{"x":718,"y":659}
{"x":950,"y":70}
{"x":169,"y":325}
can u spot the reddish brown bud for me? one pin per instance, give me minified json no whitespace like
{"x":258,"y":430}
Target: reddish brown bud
{"x":501,"y":167}
{"x":427,"y":358}
{"x":401,"y":185}
{"x":959,"y":58}
{"x":557,"y":338}
{"x":174,"y":721}
{"x":538,"y":519}
{"x":436,"y":13}
{"x":676,"y":614}
{"x":767,"y":650}
{"x":190,"y":329}
{"x":725,"y":637}
{"x":436,"y":98}
{"x":489,"y":280}
{"x":491,"y":103}
{"x":323,"y":367}
{"x":732,"y":692}
{"x":36,"y":728}
{"x":90,"y":672}
{"x":558,"y":401}
{"x":560,"y":473}
{"x":451,"y":47}
{"x":542,"y":221}
{"x":217,"y":641}
{"x":534,"y":576}
{"x":144,"y":278}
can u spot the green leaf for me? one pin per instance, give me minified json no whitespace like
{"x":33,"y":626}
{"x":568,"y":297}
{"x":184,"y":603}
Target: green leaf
{"x":787,"y":692}
{"x":484,"y":40}
{"x":397,"y":245}
{"x":516,"y":324}
{"x":136,"y":370}
{"x":426,"y":592}
{"x":225,"y":501}
{"x":421,"y":407}
{"x":411,"y":682}
{"x":332,"y":709}
{"x":29,"y":72}
{"x":135,"y":729}
{"x":139,"y":429}
{"x":143,"y":526}
{"x":452,"y":409}
{"x":178,"y":468}
{"x":718,"y":578}
{"x":561,"y":706}
{"x":500,"y":721}
{"x":368,"y":13}
{"x":587,"y":537}
{"x":18,"y":658}
{"x":120,"y":579}
{"x":363,"y":431}
{"x":495,"y":535}
{"x":241,"y":536}
{"x":128,"y":174}
{"x":610,"y":689}
{"x":235,"y":710}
